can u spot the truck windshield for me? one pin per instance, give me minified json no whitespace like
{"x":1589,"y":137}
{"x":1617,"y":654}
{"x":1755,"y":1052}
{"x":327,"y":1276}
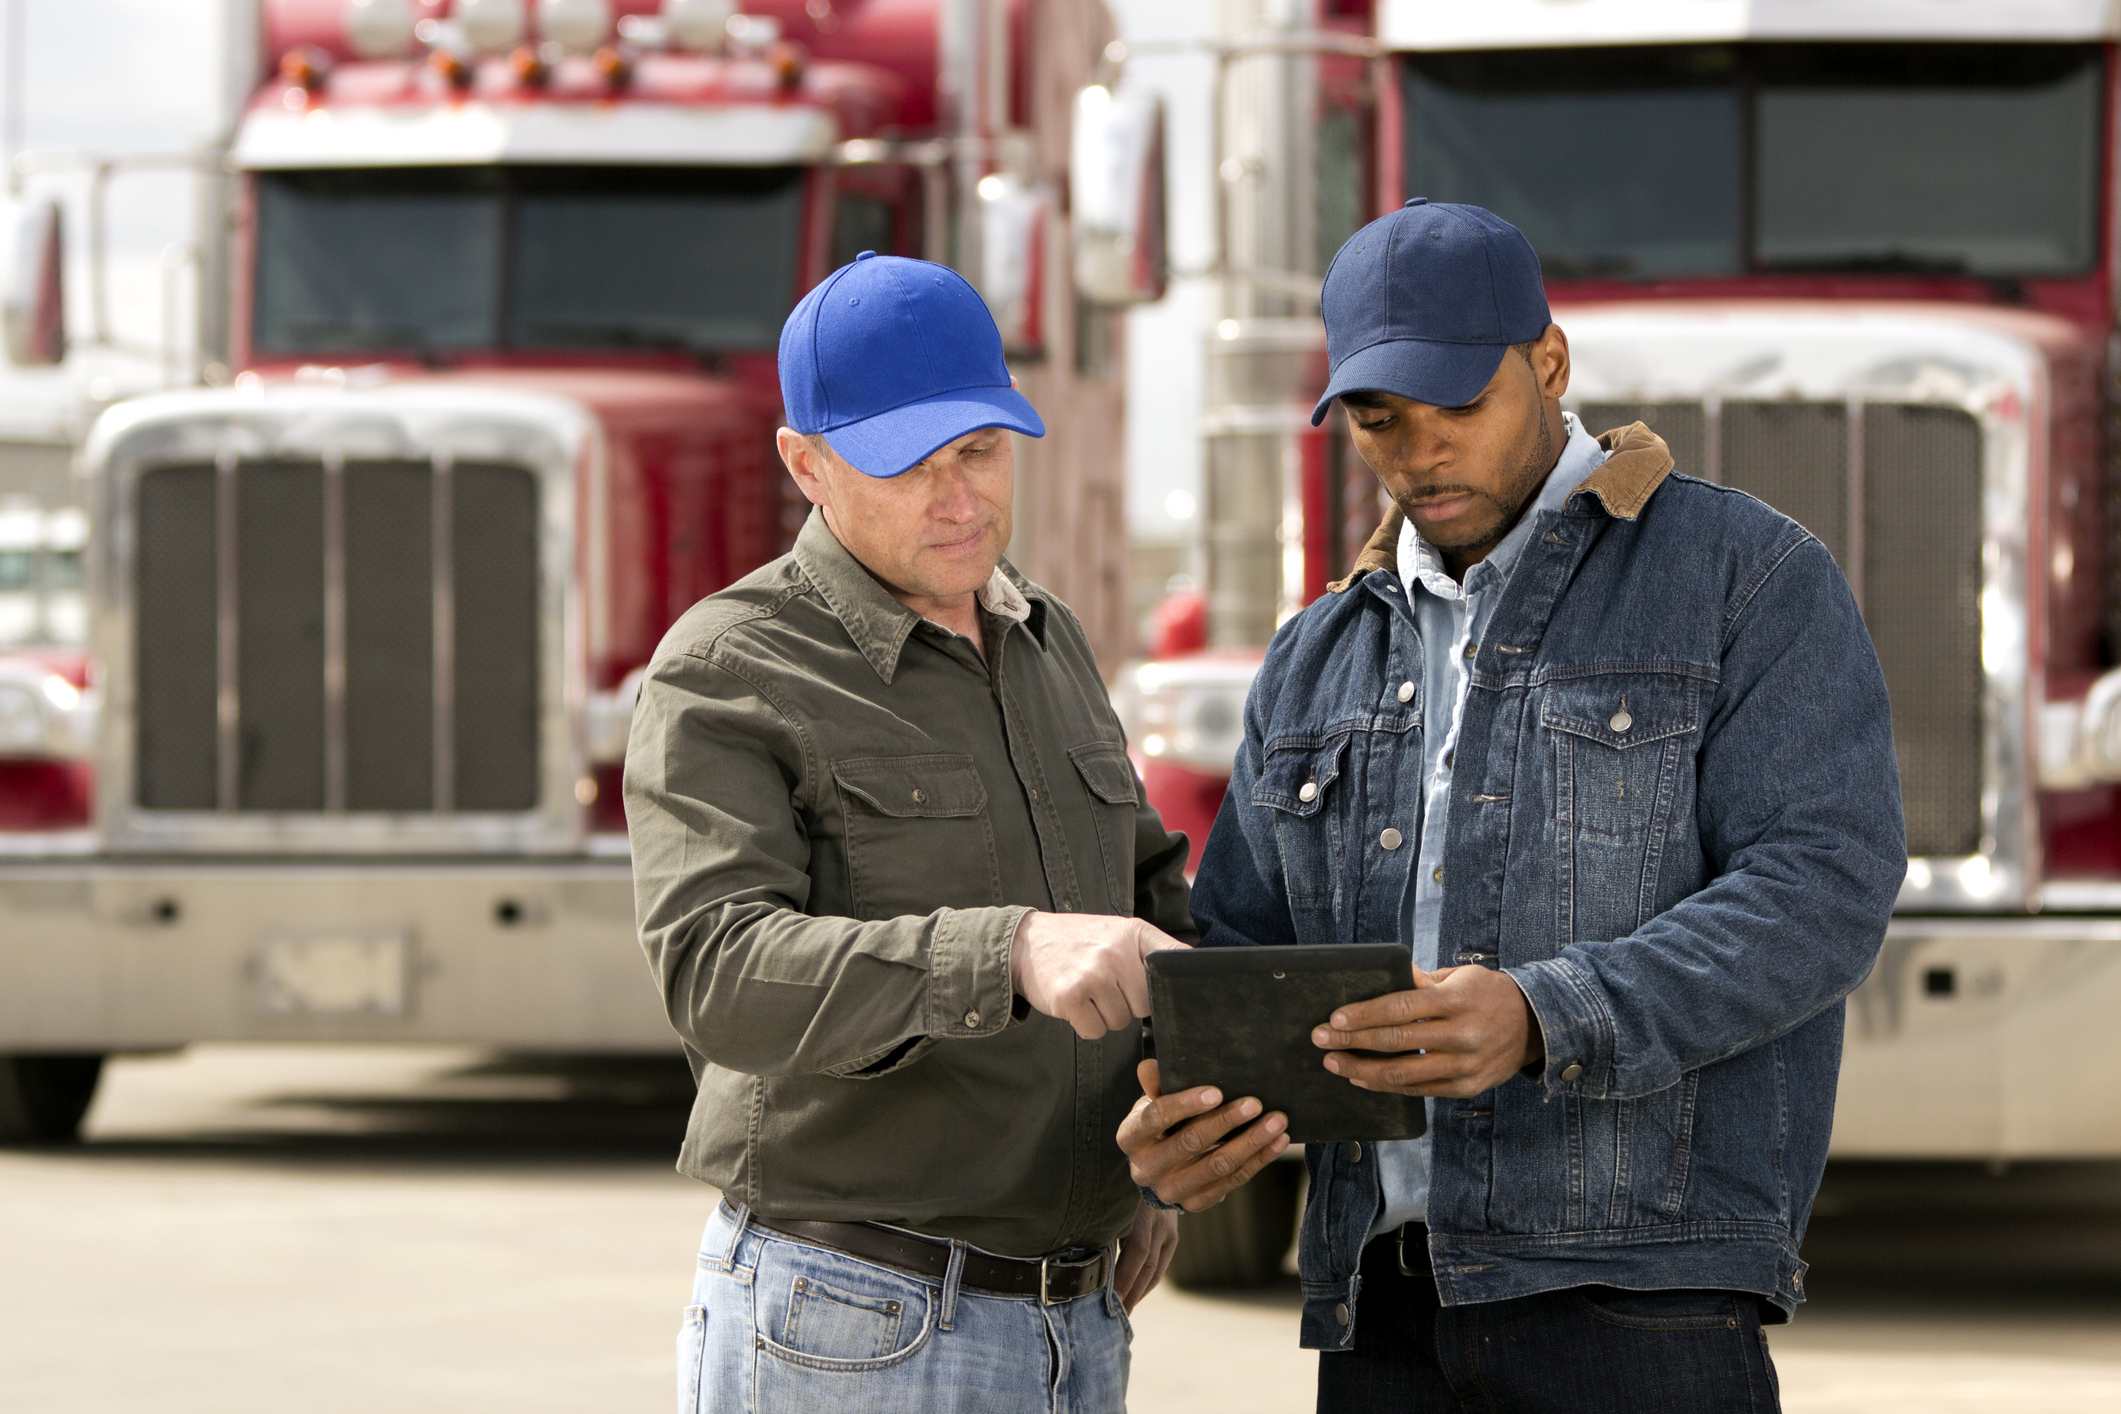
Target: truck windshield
{"x":1726,"y":159}
{"x":433,"y":260}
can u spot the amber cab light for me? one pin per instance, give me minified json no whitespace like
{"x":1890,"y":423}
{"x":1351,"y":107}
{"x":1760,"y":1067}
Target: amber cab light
{"x":614,"y":66}
{"x":306,"y":67}
{"x":787,"y":63}
{"x":453,"y":68}
{"x":529,"y":67}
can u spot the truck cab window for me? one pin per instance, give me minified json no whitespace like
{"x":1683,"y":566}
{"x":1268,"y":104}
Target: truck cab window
{"x":1678,"y":160}
{"x":1966,"y":160}
{"x":402,"y":261}
{"x":862,"y":223}
{"x":702,"y":261}
{"x":1622,"y":166}
{"x":376,"y":261}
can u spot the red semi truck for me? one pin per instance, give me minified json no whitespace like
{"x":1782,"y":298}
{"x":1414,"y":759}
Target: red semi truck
{"x":507,"y":285}
{"x":1859,"y":260}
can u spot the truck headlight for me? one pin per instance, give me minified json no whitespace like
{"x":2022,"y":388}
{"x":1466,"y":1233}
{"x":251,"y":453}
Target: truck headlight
{"x":42,"y":714}
{"x":1186,"y":711}
{"x":21,"y":720}
{"x":610,"y":719}
{"x":2079,"y":744}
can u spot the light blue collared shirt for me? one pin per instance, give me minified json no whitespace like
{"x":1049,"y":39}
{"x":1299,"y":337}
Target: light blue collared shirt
{"x":1450,"y":615}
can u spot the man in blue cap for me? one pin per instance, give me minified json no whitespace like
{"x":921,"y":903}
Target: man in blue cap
{"x":896,"y":878}
{"x":1608,"y":748}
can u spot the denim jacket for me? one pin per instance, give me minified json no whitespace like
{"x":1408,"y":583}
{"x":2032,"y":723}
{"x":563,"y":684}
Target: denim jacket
{"x":1677,"y":826}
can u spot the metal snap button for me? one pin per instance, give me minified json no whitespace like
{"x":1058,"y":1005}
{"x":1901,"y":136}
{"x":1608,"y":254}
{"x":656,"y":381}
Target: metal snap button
{"x":1340,"y":1312}
{"x":1354,"y":1151}
{"x":1622,"y":719}
{"x":1309,"y":792}
{"x":1572,"y":1071}
{"x":918,"y":796}
{"x":1391,"y":838}
{"x":1472,"y":649}
{"x":1438,"y":875}
{"x":1406,"y":692}
{"x":972,"y":1020}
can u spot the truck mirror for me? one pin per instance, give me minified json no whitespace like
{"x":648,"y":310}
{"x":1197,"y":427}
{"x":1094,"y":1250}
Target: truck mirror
{"x":1116,"y":196}
{"x":1012,"y":261}
{"x":33,"y":314}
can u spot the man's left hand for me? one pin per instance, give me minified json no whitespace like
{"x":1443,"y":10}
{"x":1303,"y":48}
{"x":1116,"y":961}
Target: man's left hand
{"x":1144,"y":1253}
{"x":1473,"y":1027}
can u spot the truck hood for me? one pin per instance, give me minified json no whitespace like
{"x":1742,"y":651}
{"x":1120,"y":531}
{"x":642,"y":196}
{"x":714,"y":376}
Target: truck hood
{"x":1955,"y":353}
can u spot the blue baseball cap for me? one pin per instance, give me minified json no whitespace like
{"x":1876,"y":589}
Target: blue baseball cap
{"x":1425,"y":302}
{"x":892,"y":358}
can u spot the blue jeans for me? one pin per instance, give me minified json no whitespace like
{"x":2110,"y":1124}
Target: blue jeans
{"x":1580,"y":1350}
{"x":778,"y":1326}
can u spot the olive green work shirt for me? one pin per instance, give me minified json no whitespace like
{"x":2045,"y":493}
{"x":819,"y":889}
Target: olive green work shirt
{"x":839,"y":814}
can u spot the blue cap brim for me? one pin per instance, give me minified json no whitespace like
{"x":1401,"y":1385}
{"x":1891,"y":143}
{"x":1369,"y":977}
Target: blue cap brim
{"x":1441,"y":375}
{"x":899,"y":440}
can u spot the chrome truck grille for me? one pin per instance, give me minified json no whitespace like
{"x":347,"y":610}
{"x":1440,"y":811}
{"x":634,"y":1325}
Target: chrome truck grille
{"x":336,"y":636}
{"x":1894,"y":491}
{"x":338,"y":621}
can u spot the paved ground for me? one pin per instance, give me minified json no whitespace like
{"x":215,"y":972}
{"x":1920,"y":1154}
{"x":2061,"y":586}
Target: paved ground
{"x":269,"y":1229}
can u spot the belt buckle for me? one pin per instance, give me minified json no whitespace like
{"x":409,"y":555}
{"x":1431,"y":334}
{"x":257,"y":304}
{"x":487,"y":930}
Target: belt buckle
{"x":1046,"y":1266}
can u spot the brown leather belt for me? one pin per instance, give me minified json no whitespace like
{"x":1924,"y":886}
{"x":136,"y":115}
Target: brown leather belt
{"x":1051,"y":1279}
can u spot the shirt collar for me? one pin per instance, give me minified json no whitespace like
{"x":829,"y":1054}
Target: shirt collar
{"x":880,"y":624}
{"x":1421,"y":565}
{"x":1003,"y":599}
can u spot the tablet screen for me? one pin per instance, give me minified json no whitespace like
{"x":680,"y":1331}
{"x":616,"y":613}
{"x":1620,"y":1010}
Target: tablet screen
{"x":1241,"y":1019}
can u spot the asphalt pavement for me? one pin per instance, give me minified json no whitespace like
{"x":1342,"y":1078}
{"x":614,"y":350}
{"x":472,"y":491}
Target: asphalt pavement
{"x":325,"y":1230}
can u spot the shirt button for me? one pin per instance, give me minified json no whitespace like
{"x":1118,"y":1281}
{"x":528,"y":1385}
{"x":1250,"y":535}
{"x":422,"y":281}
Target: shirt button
{"x":1438,"y":875}
{"x":972,"y":1020}
{"x":1406,"y":692}
{"x":1309,"y":791}
{"x":1391,"y":838}
{"x":1572,"y":1071}
{"x":1354,"y":1152}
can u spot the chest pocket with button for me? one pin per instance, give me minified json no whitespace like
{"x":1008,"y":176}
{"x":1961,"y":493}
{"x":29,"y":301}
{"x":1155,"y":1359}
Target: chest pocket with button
{"x":1108,"y":780}
{"x":1623,"y":751}
{"x":918,"y":838}
{"x":1300,"y":780}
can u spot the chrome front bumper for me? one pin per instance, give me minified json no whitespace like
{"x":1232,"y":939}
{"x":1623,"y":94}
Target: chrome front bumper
{"x":98,"y":954}
{"x":1988,"y":1038}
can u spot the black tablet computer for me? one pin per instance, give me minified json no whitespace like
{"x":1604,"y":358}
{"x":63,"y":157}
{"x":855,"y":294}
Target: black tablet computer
{"x":1241,"y":1019}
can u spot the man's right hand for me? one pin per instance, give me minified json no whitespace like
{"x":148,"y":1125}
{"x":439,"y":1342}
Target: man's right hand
{"x":1085,"y":968}
{"x":1192,"y":1149}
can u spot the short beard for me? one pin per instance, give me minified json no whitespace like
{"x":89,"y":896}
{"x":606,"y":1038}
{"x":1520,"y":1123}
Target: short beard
{"x":1516,"y":495}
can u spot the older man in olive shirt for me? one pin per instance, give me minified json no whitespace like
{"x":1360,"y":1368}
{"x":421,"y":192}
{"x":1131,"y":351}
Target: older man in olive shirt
{"x":893,"y":870}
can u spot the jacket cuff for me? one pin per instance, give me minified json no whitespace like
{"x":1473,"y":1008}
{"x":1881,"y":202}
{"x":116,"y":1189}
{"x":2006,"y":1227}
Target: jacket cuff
{"x":970,"y":990}
{"x":1149,"y":1197}
{"x":1576,"y":1025}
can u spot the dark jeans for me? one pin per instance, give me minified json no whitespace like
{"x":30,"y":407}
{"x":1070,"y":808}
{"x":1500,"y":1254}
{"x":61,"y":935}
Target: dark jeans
{"x":1586,"y":1350}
